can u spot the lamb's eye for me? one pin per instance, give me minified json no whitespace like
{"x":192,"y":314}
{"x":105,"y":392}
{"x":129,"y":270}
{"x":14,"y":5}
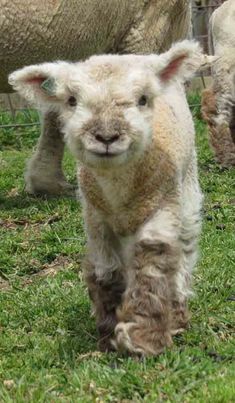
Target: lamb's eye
{"x":72,"y":101}
{"x":142,"y":100}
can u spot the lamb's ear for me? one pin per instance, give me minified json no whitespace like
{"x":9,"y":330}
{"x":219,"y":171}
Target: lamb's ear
{"x":179,"y":62}
{"x":41,"y":83}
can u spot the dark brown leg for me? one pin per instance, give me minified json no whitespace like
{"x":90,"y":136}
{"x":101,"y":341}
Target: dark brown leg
{"x":105,"y":296}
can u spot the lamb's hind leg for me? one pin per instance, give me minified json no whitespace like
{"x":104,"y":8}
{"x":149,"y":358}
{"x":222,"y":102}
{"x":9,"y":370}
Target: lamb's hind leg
{"x":181,"y":284}
{"x":44,"y":173}
{"x":190,"y":230}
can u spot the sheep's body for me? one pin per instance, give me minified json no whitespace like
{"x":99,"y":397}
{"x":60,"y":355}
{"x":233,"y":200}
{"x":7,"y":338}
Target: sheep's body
{"x":218,"y":102}
{"x":133,"y":135}
{"x":65,"y":29}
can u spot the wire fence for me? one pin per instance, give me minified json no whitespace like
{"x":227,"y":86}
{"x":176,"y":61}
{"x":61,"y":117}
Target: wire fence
{"x":201,"y":12}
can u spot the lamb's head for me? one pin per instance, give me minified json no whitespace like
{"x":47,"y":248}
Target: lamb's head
{"x":106,"y":104}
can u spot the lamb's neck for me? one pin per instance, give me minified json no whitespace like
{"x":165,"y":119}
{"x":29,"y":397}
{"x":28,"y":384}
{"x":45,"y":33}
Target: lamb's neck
{"x":134,"y":181}
{"x":117,"y":185}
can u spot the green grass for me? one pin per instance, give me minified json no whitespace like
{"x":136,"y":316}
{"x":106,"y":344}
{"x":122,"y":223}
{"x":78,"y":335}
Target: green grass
{"x":47,"y":335}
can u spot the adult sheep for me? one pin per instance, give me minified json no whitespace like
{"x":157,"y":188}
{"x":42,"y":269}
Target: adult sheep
{"x":35,"y":31}
{"x":218,"y":102}
{"x":128,"y":123}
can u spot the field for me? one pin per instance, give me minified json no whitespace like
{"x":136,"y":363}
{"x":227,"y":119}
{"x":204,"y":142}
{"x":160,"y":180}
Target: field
{"x":48,"y":347}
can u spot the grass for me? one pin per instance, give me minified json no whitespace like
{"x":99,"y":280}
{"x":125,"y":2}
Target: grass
{"x":48,"y":347}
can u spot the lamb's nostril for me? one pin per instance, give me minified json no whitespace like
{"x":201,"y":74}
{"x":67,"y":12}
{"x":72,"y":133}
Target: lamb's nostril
{"x":100,"y":138}
{"x":107,"y":140}
{"x":113,"y":138}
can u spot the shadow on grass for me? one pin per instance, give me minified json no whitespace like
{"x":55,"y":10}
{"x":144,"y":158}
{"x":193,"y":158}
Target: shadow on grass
{"x":81,"y":335}
{"x":24,"y":200}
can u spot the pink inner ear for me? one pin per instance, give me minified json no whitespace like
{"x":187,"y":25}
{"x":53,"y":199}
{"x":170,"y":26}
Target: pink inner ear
{"x":36,"y":80}
{"x":172,"y":68}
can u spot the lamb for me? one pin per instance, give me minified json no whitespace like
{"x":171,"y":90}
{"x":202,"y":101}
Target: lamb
{"x":218,"y":102}
{"x":74,"y":30}
{"x":126,"y":120}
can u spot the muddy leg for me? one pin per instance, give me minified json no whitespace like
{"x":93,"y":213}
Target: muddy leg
{"x":145,"y":314}
{"x":154,"y":305}
{"x":221,"y":133}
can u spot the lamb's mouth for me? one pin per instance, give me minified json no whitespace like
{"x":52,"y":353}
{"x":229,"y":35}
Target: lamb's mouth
{"x":106,"y":154}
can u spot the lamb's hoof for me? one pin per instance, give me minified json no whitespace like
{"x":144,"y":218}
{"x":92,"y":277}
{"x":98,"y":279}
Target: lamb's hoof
{"x":140,"y":339}
{"x":180,"y":317}
{"x":105,"y":345}
{"x":53,"y":188}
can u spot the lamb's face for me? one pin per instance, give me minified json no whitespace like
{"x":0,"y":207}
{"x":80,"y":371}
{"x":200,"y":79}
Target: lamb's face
{"x":106,"y":104}
{"x":107,"y":118}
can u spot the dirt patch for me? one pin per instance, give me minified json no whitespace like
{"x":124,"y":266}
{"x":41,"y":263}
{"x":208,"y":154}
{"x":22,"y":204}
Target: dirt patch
{"x":4,"y":284}
{"x":25,"y":223}
{"x":60,"y":263}
{"x":51,"y":269}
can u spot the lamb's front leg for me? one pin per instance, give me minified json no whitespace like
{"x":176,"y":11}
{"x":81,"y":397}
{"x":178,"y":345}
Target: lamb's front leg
{"x":105,"y":295}
{"x":104,"y":276}
{"x":145,"y":316}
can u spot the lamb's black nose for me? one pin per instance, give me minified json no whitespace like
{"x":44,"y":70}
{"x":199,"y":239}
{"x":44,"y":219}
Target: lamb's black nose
{"x":107,"y":140}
